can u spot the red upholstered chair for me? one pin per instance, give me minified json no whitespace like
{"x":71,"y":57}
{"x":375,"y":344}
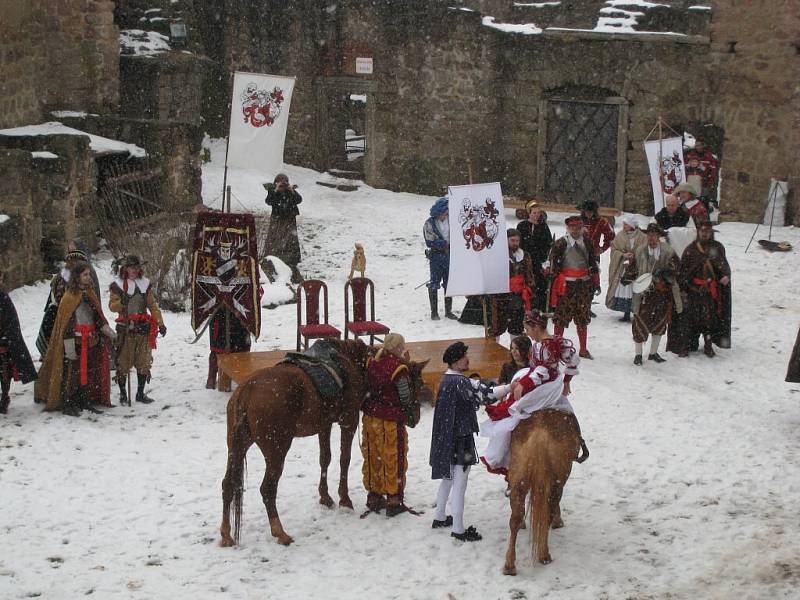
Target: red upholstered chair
{"x":357,"y":288}
{"x":313,"y":329}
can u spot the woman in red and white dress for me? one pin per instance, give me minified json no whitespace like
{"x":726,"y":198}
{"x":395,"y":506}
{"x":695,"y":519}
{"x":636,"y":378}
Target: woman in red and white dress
{"x":541,"y":385}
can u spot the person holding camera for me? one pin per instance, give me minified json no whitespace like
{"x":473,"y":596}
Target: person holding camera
{"x":652,"y":308}
{"x":282,"y":240}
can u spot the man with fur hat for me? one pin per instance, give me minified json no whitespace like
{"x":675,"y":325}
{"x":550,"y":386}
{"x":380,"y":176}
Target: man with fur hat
{"x":694,"y":207}
{"x":452,"y":441}
{"x":536,"y":239}
{"x":74,"y":373}
{"x":575,"y":278}
{"x":15,"y":360}
{"x":619,"y":294}
{"x":384,"y":441}
{"x":598,"y":228}
{"x":508,"y":310}
{"x":436,"y":232}
{"x":138,"y":324}
{"x":705,"y":279}
{"x":652,"y":308}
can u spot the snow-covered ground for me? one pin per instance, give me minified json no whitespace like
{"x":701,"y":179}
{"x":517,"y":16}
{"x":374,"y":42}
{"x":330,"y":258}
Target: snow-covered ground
{"x":691,"y":490}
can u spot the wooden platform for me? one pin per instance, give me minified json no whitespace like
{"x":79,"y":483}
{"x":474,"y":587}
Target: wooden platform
{"x":485,"y":358}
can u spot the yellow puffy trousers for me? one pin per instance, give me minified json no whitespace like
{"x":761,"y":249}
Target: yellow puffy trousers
{"x":384,"y":446}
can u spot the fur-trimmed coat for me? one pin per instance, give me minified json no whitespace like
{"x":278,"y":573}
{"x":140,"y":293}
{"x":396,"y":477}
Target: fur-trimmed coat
{"x":619,"y":248}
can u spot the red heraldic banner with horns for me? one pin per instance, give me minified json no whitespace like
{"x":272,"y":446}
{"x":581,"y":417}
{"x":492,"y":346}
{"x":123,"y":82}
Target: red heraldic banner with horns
{"x":225,"y":269}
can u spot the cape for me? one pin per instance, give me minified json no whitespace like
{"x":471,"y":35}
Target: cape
{"x":453,"y":416}
{"x":615,"y":267}
{"x":48,"y":386}
{"x":18,"y":351}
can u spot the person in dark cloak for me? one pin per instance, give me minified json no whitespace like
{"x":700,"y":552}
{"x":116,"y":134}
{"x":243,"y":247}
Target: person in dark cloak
{"x":282,"y":240}
{"x":15,"y":360}
{"x":452,"y":441}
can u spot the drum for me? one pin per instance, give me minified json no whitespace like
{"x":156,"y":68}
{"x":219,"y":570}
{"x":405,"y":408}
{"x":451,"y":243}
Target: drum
{"x":642,"y":283}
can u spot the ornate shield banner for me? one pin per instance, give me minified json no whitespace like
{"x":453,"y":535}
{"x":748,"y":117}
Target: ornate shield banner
{"x":225,"y":269}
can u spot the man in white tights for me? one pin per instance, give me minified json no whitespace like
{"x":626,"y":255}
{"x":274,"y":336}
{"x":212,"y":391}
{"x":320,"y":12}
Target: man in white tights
{"x":452,"y":442}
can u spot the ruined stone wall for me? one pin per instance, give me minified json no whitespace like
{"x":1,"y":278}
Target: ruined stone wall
{"x":56,"y":55}
{"x":754,"y":65}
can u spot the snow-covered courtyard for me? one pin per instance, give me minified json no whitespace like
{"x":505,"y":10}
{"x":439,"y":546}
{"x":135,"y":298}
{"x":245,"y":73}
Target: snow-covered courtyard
{"x":691,"y":491}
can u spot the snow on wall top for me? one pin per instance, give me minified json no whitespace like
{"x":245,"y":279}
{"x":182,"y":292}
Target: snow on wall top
{"x":137,"y":42}
{"x":98,"y":144}
{"x":524,"y":28}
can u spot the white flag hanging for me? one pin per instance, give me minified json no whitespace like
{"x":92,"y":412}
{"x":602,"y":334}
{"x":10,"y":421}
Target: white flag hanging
{"x":478,"y":244}
{"x":667,"y":171}
{"x":259,"y":115}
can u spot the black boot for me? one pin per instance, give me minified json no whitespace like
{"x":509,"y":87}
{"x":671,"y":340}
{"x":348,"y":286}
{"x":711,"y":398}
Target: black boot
{"x":434,"y":301}
{"x":72,"y":405}
{"x":140,"y":395}
{"x":85,"y":401}
{"x":5,"y":399}
{"x":122,"y":381}
{"x":4,"y":402}
{"x":448,"y":308}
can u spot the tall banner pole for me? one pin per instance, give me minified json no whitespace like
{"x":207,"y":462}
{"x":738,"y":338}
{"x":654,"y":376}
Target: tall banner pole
{"x":227,"y":143}
{"x":660,"y":157}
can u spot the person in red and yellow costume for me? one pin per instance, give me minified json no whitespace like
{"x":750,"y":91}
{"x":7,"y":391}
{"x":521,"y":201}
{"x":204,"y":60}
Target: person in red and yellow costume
{"x":131,"y":296}
{"x":74,"y":373}
{"x":598,"y":228}
{"x":384,"y":440}
{"x":576,"y":277}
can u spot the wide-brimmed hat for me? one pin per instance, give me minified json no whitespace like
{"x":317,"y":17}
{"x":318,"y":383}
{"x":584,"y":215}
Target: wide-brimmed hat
{"x":455,"y":352}
{"x":685,"y":187}
{"x":394,"y":343}
{"x":590,"y":205}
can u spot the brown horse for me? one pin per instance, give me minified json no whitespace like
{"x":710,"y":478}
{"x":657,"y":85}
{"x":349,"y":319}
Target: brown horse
{"x":279,"y":403}
{"x":542,"y":450}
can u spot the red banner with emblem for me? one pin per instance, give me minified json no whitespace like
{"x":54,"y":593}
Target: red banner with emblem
{"x":225,"y":269}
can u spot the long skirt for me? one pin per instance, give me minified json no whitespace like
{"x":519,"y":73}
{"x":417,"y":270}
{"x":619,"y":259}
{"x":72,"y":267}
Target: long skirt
{"x":282,"y":240}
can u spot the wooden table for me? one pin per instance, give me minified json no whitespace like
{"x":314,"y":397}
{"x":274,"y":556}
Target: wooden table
{"x":485,"y":358}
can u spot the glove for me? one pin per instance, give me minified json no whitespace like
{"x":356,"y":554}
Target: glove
{"x":69,"y":349}
{"x":108,"y":332}
{"x":162,"y":329}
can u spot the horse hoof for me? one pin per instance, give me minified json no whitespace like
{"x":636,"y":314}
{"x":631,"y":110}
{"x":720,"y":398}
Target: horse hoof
{"x":546,"y":560}
{"x":346,"y":503}
{"x":284,"y":540}
{"x":557,"y":524}
{"x":226,"y":542}
{"x":326,"y":501}
{"x":509,"y":570}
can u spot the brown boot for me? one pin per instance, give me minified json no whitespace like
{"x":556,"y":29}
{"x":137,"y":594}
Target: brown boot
{"x":375,"y":502}
{"x":211,"y":382}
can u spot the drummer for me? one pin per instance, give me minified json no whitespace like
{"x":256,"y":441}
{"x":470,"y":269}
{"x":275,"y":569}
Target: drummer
{"x":655,"y":291}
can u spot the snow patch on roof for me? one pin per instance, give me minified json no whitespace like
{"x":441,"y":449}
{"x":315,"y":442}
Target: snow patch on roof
{"x":523,"y":28}
{"x":143,"y":43}
{"x":66,"y":114}
{"x":44,"y":154}
{"x":536,"y":4}
{"x":98,"y":144}
{"x":613,"y":29}
{"x":699,"y":7}
{"x":642,"y":3}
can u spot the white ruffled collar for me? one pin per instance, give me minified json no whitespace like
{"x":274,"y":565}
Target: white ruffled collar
{"x":143,"y":283}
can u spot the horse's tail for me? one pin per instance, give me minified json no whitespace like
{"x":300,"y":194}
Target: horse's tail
{"x":238,"y":443}
{"x":539,"y":501}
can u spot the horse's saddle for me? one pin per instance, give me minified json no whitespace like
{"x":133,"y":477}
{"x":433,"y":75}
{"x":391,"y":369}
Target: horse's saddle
{"x":320,"y":362}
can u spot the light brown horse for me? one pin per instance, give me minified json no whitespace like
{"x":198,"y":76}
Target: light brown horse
{"x":279,"y":403}
{"x":542,"y":450}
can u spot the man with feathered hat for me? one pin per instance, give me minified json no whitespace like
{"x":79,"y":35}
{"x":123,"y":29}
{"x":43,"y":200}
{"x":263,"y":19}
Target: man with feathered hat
{"x":575,"y":279}
{"x":138,"y":324}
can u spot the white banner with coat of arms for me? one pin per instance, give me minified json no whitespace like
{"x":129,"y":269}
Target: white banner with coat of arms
{"x":259,"y":116}
{"x":478,"y":242}
{"x":667,"y":171}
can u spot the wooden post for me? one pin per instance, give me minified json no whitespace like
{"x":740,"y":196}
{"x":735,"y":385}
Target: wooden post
{"x":227,"y":202}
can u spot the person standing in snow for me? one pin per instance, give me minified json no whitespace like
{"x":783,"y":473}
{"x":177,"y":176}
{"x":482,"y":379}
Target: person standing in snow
{"x":436,"y":232}
{"x":74,"y":373}
{"x":138,"y":324}
{"x":619,"y":294}
{"x":509,"y":309}
{"x":673,"y":214}
{"x":282,"y":240}
{"x":452,"y":441}
{"x":694,"y":207}
{"x":536,"y":240}
{"x":384,"y":440}
{"x":576,"y":277}
{"x":598,"y":228}
{"x":652,"y":309}
{"x":15,"y":360}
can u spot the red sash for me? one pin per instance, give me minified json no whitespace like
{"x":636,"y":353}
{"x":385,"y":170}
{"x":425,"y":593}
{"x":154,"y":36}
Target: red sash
{"x":560,"y":283}
{"x":711,"y":286}
{"x":517,"y":286}
{"x":85,"y":331}
{"x":146,"y":318}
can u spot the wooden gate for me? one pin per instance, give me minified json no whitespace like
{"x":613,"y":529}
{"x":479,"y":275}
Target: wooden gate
{"x":582,"y":151}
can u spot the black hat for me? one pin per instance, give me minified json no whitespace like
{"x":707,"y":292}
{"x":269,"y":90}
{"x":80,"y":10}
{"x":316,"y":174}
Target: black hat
{"x":589,"y":205}
{"x":654,"y":228}
{"x":454,"y":352}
